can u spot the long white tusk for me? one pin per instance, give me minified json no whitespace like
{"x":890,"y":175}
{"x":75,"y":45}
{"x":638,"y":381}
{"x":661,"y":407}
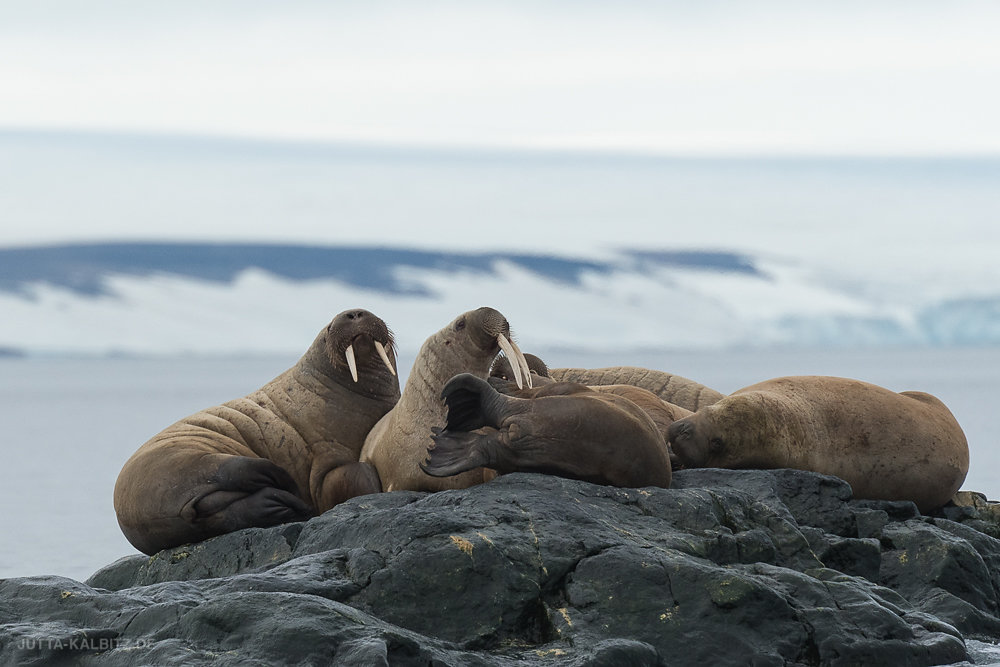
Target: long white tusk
{"x":514,"y":363}
{"x":385,"y":357}
{"x":523,"y":363}
{"x":349,"y":353}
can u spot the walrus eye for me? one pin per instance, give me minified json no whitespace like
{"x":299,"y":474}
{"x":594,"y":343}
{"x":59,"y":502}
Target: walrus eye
{"x":460,"y":324}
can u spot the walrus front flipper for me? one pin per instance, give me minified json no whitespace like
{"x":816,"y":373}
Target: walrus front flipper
{"x":454,"y":452}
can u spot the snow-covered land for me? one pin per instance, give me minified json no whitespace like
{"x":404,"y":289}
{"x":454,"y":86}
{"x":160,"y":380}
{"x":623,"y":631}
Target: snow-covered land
{"x":204,"y":298}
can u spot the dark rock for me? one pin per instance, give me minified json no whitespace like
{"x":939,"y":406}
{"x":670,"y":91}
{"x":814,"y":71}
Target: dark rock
{"x":861,"y":557}
{"x":728,"y":568}
{"x":943,"y":574}
{"x":229,"y":554}
{"x":869,"y":522}
{"x":896,"y":510}
{"x":974,"y":510}
{"x":811,"y":499}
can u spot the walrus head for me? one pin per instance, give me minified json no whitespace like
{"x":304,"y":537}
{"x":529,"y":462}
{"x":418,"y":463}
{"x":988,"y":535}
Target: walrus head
{"x":567,"y":429}
{"x":687,"y":449}
{"x":358,"y":342}
{"x":733,"y":433}
{"x":483,"y":333}
{"x":502,"y":373}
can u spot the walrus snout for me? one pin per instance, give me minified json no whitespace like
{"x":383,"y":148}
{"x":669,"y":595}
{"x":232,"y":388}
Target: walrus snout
{"x":353,"y":326}
{"x":680,"y":429}
{"x":489,"y":330}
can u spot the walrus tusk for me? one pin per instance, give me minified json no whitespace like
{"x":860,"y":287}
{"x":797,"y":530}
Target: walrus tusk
{"x":515,"y":362}
{"x":523,"y":363}
{"x":349,"y":353}
{"x":385,"y":357}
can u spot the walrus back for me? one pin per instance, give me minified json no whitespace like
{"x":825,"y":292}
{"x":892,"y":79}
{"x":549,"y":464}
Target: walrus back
{"x":675,"y":389}
{"x":888,"y":445}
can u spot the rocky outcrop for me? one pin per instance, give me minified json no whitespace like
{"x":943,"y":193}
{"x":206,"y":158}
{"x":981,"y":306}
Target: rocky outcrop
{"x":727,"y":567}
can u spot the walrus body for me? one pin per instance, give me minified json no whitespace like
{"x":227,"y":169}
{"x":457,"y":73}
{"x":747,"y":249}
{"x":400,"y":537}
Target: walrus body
{"x":564,"y":428}
{"x":663,"y":413}
{"x":397,"y":445}
{"x":283,"y":453}
{"x":673,"y":389}
{"x":887,"y":445}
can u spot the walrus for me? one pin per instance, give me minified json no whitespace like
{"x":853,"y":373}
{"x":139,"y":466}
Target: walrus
{"x":502,"y":378}
{"x":674,"y":389}
{"x":886,"y":445}
{"x":663,"y":413}
{"x":398,"y":443}
{"x":283,"y":453}
{"x":564,"y":429}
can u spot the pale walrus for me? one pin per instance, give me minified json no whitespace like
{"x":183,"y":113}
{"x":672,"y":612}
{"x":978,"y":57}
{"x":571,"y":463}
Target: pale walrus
{"x":283,"y":453}
{"x":674,"y":389}
{"x":564,"y":429}
{"x":887,"y":446}
{"x":398,"y":443}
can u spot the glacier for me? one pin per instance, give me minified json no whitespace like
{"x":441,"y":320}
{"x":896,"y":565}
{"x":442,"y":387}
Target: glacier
{"x":237,"y":298}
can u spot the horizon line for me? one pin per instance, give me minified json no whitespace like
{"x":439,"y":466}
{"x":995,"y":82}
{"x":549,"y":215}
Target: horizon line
{"x":173,"y":139}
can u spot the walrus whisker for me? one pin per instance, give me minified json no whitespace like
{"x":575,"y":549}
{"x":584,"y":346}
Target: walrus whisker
{"x":385,"y":357}
{"x":516,"y":362}
{"x":351,"y":362}
{"x":523,"y":363}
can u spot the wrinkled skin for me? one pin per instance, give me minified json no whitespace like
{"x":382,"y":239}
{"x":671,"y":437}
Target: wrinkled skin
{"x":398,"y":443}
{"x":886,"y":445}
{"x":283,"y":453}
{"x":564,"y":429}
{"x":673,"y":389}
{"x":660,"y":411}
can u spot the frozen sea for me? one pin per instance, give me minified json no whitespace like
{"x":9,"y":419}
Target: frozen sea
{"x":70,"y":423}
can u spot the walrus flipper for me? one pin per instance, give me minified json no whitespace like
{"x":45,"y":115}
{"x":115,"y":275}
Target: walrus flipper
{"x":261,"y":509}
{"x":454,"y":452}
{"x":249,"y":492}
{"x":471,"y":403}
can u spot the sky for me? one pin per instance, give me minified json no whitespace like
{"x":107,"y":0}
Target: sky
{"x":128,"y":119}
{"x":770,"y":77}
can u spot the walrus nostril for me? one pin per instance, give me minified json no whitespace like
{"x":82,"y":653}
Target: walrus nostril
{"x":356,"y":315}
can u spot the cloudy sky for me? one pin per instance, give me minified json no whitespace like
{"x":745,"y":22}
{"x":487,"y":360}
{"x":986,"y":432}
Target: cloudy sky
{"x":856,"y":77}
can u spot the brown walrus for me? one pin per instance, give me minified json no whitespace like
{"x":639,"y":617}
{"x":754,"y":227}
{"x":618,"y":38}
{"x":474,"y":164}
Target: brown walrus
{"x":565,"y":429}
{"x":674,"y":389}
{"x":887,"y":446}
{"x":398,"y":442}
{"x":283,"y":453}
{"x":663,"y":413}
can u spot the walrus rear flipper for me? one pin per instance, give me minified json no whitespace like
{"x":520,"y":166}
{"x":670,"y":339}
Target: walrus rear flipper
{"x":472,"y":403}
{"x":248,"y":492}
{"x":454,"y":452}
{"x":261,"y":509}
